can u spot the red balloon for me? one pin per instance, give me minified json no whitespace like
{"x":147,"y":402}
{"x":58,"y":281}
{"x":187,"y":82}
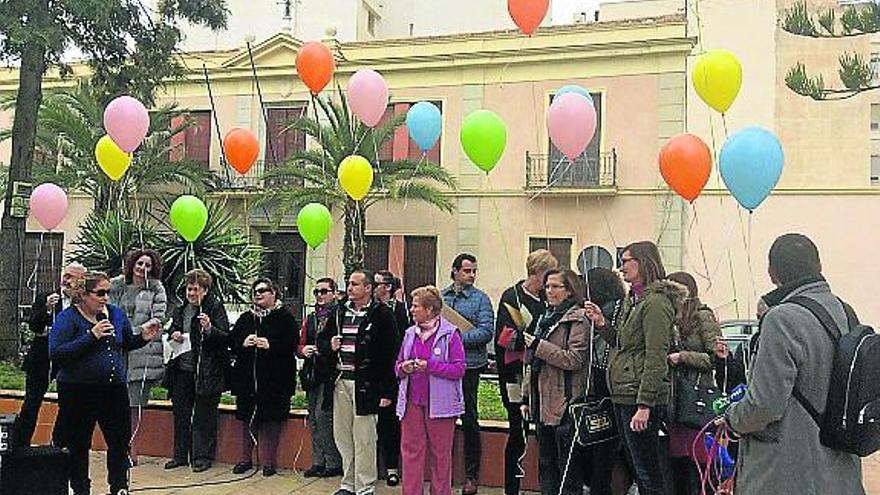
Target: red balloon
{"x":685,"y":163}
{"x":528,"y":14}
{"x":315,"y":65}
{"x":241,"y":149}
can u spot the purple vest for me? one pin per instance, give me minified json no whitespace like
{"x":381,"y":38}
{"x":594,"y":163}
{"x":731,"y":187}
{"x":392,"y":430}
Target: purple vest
{"x":446,"y":399}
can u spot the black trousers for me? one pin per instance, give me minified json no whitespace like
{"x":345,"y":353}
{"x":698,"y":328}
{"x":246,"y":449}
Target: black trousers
{"x":598,"y":466}
{"x":558,"y":463}
{"x":195,"y":419}
{"x":388,"y":436}
{"x":36,"y":385}
{"x":470,"y":422}
{"x":643,"y":449}
{"x":516,"y":441}
{"x":82,"y":406}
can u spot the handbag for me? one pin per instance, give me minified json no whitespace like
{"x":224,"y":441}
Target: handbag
{"x":593,"y":417}
{"x":691,"y":399}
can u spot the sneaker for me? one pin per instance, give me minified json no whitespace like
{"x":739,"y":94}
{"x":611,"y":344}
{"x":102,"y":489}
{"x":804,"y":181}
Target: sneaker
{"x":175,"y":463}
{"x":393,"y":479}
{"x":332,"y":472}
{"x":242,"y":467}
{"x":269,"y":471}
{"x":469,"y":488}
{"x":314,"y":472}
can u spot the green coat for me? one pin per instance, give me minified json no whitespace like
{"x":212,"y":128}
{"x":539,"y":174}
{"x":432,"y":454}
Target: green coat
{"x":697,"y":348}
{"x":637,"y":368}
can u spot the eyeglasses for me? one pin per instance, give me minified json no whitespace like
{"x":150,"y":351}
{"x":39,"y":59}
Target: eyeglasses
{"x":553,"y":286}
{"x":624,"y":260}
{"x":100,"y":292}
{"x":262,"y":290}
{"x":321,"y":292}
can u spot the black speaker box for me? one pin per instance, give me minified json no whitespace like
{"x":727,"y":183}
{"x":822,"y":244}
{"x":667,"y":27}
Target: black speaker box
{"x":34,"y":471}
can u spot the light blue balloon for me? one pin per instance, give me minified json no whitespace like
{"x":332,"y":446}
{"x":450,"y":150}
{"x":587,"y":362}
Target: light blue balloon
{"x":751,"y":164}
{"x":574,"y":88}
{"x":424,"y":123}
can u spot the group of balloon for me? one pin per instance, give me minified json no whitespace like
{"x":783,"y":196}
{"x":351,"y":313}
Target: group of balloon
{"x":750,"y":162}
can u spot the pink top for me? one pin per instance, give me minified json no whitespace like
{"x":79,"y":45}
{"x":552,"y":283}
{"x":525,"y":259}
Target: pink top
{"x":419,"y":386}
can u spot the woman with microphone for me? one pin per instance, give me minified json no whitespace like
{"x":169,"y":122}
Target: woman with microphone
{"x":264,"y":342}
{"x":89,"y":342}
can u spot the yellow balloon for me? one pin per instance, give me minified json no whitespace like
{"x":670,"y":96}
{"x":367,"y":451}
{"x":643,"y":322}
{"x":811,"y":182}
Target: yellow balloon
{"x":112,"y":160}
{"x":355,"y":176}
{"x":717,"y":77}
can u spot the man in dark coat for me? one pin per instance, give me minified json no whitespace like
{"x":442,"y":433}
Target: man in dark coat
{"x":361,"y":340}
{"x":36,"y":364}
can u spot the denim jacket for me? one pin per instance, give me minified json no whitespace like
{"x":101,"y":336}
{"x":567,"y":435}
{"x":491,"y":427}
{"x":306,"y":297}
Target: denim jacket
{"x":474,"y":305}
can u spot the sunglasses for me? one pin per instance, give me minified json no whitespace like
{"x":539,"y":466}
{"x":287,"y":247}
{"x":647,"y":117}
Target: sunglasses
{"x":262,"y":290}
{"x":321,"y":292}
{"x":100,"y":292}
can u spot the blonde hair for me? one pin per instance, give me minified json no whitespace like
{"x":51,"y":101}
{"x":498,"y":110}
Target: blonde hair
{"x":85,"y":284}
{"x":429,"y":297}
{"x":199,"y":277}
{"x":540,"y":261}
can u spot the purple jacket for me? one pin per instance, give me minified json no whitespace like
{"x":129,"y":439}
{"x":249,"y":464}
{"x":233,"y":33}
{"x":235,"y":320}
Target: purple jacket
{"x":445,"y":373}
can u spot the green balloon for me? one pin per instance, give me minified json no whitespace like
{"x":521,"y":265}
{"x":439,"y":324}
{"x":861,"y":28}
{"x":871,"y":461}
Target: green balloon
{"x":483,"y":138}
{"x":314,"y":223}
{"x":189,"y":217}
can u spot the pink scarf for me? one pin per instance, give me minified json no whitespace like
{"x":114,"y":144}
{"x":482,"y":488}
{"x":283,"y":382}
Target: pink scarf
{"x":429,"y":328}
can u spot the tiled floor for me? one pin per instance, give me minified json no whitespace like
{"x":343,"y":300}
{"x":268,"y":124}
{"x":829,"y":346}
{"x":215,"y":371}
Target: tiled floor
{"x":150,"y":478}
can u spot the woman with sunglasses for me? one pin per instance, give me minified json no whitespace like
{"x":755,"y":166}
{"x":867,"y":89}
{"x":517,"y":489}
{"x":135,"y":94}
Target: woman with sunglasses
{"x":316,"y":378}
{"x":140,"y":293}
{"x":638,"y":371}
{"x":90,"y":342}
{"x":263,"y":341}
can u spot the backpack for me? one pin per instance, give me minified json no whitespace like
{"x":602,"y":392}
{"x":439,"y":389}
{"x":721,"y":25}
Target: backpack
{"x":851,"y":421}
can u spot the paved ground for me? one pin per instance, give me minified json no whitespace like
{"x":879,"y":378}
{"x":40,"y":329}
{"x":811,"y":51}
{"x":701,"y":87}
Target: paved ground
{"x":150,"y":478}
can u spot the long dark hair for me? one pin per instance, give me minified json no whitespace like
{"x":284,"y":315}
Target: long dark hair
{"x":133,"y":256}
{"x":604,"y":286}
{"x":650,"y":264}
{"x":688,"y":320}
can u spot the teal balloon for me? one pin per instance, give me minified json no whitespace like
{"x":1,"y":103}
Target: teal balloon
{"x":751,"y":164}
{"x":483,"y":138}
{"x":314,"y":223}
{"x":189,"y":215}
{"x":423,"y":122}
{"x":574,"y":88}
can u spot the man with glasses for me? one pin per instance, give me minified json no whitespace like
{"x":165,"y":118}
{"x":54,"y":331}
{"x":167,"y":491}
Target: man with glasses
{"x":36,"y":364}
{"x":316,"y":378}
{"x":358,"y":340}
{"x":474,"y":305}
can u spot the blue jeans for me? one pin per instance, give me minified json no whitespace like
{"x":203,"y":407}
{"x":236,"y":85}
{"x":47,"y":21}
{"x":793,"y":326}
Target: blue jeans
{"x":642,"y":449}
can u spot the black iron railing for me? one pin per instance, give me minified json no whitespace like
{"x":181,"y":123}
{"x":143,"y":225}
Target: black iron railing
{"x":586,"y":172}
{"x":254,"y":179}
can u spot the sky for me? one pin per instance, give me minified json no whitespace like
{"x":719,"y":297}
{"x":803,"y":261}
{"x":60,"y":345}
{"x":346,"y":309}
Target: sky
{"x":564,"y":9}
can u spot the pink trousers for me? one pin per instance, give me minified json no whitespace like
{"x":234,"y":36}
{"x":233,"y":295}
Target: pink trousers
{"x":420,"y":436}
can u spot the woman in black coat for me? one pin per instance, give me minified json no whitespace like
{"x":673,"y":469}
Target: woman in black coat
{"x":264,"y":342}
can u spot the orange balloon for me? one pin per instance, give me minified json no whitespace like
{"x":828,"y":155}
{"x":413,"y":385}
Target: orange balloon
{"x":528,"y":14}
{"x":315,"y":65}
{"x":241,"y":149}
{"x":685,"y":163}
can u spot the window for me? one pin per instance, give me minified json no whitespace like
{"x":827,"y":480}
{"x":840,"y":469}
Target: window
{"x":584,"y":171}
{"x":592,"y":257}
{"x":372,"y":20}
{"x":281,"y":143}
{"x":284,"y":258}
{"x":560,"y":247}
{"x":376,"y":250}
{"x":875,"y":170}
{"x":194,"y":142}
{"x":401,"y":146}
{"x":420,"y":261}
{"x":41,"y":267}
{"x":875,"y":116}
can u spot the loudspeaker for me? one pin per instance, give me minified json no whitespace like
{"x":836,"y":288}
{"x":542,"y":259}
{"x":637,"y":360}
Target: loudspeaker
{"x":34,"y":471}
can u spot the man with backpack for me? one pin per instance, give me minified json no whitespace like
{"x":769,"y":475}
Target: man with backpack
{"x":780,"y":450}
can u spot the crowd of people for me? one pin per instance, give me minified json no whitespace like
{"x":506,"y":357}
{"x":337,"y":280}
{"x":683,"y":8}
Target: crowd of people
{"x":387,"y":375}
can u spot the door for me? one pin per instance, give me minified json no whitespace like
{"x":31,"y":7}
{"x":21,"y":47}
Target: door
{"x":284,"y":261}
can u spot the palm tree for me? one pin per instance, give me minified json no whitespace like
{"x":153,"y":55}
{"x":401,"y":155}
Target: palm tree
{"x":71,"y":122}
{"x":339,"y":135}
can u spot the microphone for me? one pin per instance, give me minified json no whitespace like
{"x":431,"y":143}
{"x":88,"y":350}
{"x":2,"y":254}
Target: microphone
{"x":101,"y":316}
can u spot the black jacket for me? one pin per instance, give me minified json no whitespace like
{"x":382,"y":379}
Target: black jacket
{"x":37,"y":358}
{"x":211,"y":349}
{"x":320,"y":368}
{"x":275,"y":367}
{"x":374,"y":355}
{"x":514,"y":297}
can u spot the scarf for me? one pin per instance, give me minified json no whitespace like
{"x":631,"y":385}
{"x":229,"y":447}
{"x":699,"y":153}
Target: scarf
{"x":546,"y":323}
{"x":324,"y":311}
{"x":261,"y":313}
{"x":638,"y":289}
{"x":429,"y":328}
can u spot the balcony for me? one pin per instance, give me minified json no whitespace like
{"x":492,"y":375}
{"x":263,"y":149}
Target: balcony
{"x":587,"y":172}
{"x":253,"y":180}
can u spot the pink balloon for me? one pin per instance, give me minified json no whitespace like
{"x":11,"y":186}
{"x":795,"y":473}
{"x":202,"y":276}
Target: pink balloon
{"x":572,"y":124}
{"x":49,"y":205}
{"x":126,"y":121}
{"x":368,"y":96}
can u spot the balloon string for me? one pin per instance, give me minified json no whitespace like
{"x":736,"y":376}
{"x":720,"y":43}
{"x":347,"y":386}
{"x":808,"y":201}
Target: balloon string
{"x":696,"y":223}
{"x":747,"y":244}
{"x":607,"y":221}
{"x":32,"y":279}
{"x":499,"y":227}
{"x":555,"y":176}
{"x":263,"y":111}
{"x":413,"y":176}
{"x":216,"y":123}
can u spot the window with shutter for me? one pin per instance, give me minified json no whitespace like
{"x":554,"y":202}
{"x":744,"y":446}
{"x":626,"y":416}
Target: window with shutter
{"x":560,"y":247}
